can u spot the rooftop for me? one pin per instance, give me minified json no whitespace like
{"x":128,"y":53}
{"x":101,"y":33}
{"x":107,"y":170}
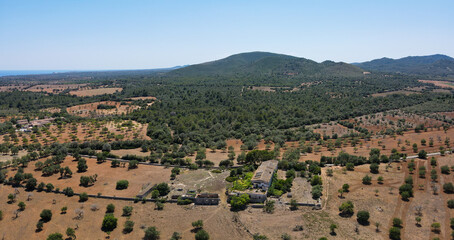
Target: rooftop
{"x":265,"y":171}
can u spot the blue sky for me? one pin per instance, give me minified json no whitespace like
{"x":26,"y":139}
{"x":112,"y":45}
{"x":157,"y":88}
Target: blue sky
{"x":139,"y":34}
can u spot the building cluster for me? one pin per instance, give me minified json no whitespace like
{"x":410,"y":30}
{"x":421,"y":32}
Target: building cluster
{"x":261,"y":182}
{"x":26,"y":126}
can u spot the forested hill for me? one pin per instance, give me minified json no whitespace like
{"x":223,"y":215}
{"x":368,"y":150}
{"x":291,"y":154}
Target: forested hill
{"x":267,"y":64}
{"x":433,"y":65}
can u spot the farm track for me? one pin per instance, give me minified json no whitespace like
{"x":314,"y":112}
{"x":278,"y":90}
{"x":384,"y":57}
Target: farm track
{"x":447,"y":222}
{"x":402,"y":207}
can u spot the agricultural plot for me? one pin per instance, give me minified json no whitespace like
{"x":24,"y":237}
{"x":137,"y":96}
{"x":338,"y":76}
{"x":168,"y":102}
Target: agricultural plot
{"x":101,"y":109}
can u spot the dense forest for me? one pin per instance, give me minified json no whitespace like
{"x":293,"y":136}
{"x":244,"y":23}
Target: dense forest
{"x":208,"y":103}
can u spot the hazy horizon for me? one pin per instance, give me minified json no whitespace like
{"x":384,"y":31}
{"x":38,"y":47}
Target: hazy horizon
{"x":118,"y":35}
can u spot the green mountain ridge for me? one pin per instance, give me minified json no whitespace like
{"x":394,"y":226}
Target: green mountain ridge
{"x":267,"y":64}
{"x":432,"y":65}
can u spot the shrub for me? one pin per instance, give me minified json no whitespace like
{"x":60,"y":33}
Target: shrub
{"x":367,"y":180}
{"x":82,"y":165}
{"x":422,"y":154}
{"x":176,"y":236}
{"x":380,"y":180}
{"x":49,"y":187}
{"x":435,"y":227}
{"x":163,"y":189}
{"x":316,"y":191}
{"x":85,"y":181}
{"x":154,"y":194}
{"x":46,"y":215}
{"x":269,"y":206}
{"x":64,"y":209}
{"x":133,"y":164}
{"x":451,"y":203}
{"x":346,"y":209}
{"x":363,"y":217}
{"x":394,"y":233}
{"x":159,"y":205}
{"x":374,"y":168}
{"x":316,"y":180}
{"x":239,"y":202}
{"x":39,"y":225}
{"x":197,"y":224}
{"x":55,"y":236}
{"x":31,"y":184}
{"x":151,"y":234}
{"x":110,"y":208}
{"x":444,"y":169}
{"x":21,"y":206}
{"x":127,"y":210}
{"x":68,"y":192}
{"x":122,"y":184}
{"x":202,"y":235}
{"x":448,"y":188}
{"x":109,"y":223}
{"x":350,"y":166}
{"x":83,"y":197}
{"x":1,"y":215}
{"x":41,"y":187}
{"x":129,"y":226}
{"x":397,"y":222}
{"x":345,"y":187}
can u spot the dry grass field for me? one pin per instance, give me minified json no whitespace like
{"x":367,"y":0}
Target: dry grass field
{"x":107,"y":177}
{"x":443,"y":84}
{"x":95,"y":92}
{"x":218,"y":220}
{"x":142,"y":98}
{"x":54,"y":88}
{"x":384,"y":94}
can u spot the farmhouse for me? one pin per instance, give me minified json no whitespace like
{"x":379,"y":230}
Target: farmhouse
{"x":263,"y":176}
{"x":22,"y":122}
{"x":41,"y":122}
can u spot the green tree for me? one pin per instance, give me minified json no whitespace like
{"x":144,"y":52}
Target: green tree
{"x":332,"y":227}
{"x":31,"y":184}
{"x":109,"y":223}
{"x":82,"y":165}
{"x":71,"y":233}
{"x":55,"y":236}
{"x":39,"y":225}
{"x":363,"y":217}
{"x":128,"y":227}
{"x":83,"y":197}
{"x":46,"y":215}
{"x":151,"y":234}
{"x":269,"y":206}
{"x":202,"y":235}
{"x":176,"y":236}
{"x":397,"y":222}
{"x":122,"y":184}
{"x":21,"y":206}
{"x":239,"y":202}
{"x":127,"y":210}
{"x":197,"y":224}
{"x":110,"y":208}
{"x":394,"y":233}
{"x":346,"y":209}
{"x":374,"y":168}
{"x":345,"y":187}
{"x":367,"y":180}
